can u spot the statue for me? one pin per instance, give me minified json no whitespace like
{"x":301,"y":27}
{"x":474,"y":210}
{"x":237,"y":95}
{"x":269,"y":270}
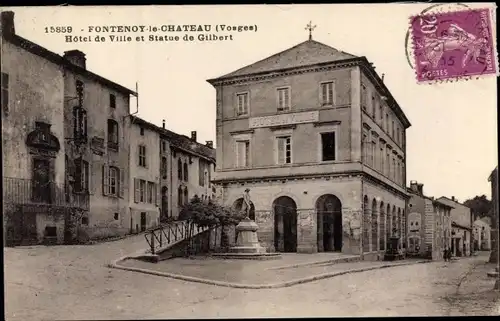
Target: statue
{"x":247,"y":203}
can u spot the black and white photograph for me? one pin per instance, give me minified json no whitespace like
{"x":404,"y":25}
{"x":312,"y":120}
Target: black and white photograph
{"x":249,"y":161}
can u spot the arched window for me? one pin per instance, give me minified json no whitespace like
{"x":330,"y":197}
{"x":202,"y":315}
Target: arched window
{"x":186,"y":176}
{"x":112,"y":134}
{"x":179,"y":169}
{"x":179,"y":196}
{"x":164,"y":167}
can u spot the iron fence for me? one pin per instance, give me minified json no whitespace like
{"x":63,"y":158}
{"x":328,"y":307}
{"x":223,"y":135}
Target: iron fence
{"x":21,"y":191}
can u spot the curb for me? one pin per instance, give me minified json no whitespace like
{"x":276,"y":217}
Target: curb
{"x":326,"y":262}
{"x":115,"y":265}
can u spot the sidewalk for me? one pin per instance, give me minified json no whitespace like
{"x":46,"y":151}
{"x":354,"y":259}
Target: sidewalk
{"x":254,"y":274}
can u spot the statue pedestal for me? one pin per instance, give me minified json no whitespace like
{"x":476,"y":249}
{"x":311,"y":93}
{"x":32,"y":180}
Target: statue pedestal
{"x":247,"y":244}
{"x":246,"y":240}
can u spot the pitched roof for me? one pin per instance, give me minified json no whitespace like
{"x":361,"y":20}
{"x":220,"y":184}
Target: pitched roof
{"x":8,"y":34}
{"x":177,"y":140}
{"x":309,"y":52}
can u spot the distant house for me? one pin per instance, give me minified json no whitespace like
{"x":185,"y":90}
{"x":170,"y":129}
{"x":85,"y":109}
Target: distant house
{"x":429,"y":224}
{"x":461,"y":232}
{"x":482,"y":234}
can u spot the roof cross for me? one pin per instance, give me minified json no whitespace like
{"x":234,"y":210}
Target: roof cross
{"x":310,"y":27}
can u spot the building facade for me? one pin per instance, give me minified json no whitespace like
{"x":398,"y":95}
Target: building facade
{"x":461,"y":227}
{"x":97,"y":147}
{"x":144,"y":164}
{"x":320,"y":143}
{"x":172,"y":167}
{"x":429,"y":224}
{"x":482,"y":234}
{"x":495,"y":218}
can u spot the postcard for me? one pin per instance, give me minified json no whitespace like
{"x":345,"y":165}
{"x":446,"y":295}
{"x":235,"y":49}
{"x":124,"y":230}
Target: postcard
{"x":247,"y":161}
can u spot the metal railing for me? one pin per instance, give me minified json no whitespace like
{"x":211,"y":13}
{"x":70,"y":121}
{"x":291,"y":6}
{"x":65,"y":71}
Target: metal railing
{"x":29,"y":192}
{"x":170,"y":233}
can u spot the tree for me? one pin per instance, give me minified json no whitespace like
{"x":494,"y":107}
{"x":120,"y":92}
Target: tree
{"x":480,"y":206}
{"x":209,"y":214}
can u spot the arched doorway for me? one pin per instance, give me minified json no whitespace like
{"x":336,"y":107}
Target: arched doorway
{"x":382,"y":232}
{"x":285,"y":224}
{"x":238,"y":206}
{"x":329,"y":223}
{"x":366,"y":224}
{"x":375,"y":231}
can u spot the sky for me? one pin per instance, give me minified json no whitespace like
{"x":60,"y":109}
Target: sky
{"x":451,"y":145}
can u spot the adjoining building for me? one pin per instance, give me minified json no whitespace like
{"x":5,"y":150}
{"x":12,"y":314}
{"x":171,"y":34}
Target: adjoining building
{"x":428,"y":224}
{"x":461,"y":226}
{"x":167,"y":170}
{"x":320,"y":142}
{"x":482,"y":234}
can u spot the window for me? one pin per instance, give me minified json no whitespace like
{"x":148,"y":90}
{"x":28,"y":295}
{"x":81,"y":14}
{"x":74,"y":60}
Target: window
{"x":142,"y":155}
{"x":381,"y":114}
{"x":163,"y":146}
{"x":142,"y":190}
{"x":186,"y":196}
{"x":327,"y":93}
{"x":179,"y":196}
{"x":142,"y":131}
{"x":388,"y":162}
{"x":186,"y":176}
{"x":363,"y":97}
{"x":85,"y":220}
{"x":113,"y":181}
{"x":373,"y":154}
{"x":328,"y":146}
{"x":81,"y":176}
{"x":283,"y":99}
{"x":5,"y":92}
{"x":284,"y":150}
{"x":112,"y":101}
{"x":386,"y":123}
{"x":117,"y":216}
{"x":151,"y":192}
{"x":242,"y":153}
{"x":393,"y":173}
{"x":392,"y":129}
{"x":382,"y":163}
{"x":374,"y":109}
{"x":242,"y":101}
{"x":164,"y":167}
{"x":364,"y":148}
{"x":179,"y":169}
{"x":79,"y":124}
{"x":112,"y":134}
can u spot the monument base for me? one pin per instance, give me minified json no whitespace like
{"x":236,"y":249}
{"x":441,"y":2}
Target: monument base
{"x":247,"y":244}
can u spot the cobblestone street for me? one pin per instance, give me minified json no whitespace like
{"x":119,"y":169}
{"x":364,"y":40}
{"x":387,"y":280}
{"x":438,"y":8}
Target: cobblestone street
{"x":73,"y":282}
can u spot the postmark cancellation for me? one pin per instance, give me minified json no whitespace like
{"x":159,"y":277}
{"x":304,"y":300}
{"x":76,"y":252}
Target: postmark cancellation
{"x":454,"y":45}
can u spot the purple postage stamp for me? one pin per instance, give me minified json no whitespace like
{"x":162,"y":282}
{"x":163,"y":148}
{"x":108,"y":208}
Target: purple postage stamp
{"x":453,"y":45}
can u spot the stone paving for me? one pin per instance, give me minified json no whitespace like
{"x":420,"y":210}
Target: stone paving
{"x":74,"y":283}
{"x":257,"y":273}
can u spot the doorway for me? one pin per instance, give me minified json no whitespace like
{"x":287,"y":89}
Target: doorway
{"x":143,"y":221}
{"x":285,"y":224}
{"x":329,"y":223}
{"x":41,"y":191}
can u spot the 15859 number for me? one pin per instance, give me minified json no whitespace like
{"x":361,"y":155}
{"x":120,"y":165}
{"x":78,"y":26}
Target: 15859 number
{"x":63,"y":29}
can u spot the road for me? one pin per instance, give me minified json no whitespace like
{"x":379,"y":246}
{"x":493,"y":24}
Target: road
{"x":72,"y":282}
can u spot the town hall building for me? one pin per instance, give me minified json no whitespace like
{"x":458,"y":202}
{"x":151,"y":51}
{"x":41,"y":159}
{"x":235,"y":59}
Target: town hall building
{"x":317,"y":140}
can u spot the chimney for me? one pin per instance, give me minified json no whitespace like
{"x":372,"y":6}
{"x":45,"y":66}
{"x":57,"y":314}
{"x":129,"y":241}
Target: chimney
{"x":414,"y":186}
{"x":8,"y":24}
{"x":193,"y":135}
{"x":163,"y":124}
{"x":453,"y":198}
{"x":383,"y":77}
{"x":76,"y":57}
{"x":420,"y":188}
{"x":210,"y":144}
